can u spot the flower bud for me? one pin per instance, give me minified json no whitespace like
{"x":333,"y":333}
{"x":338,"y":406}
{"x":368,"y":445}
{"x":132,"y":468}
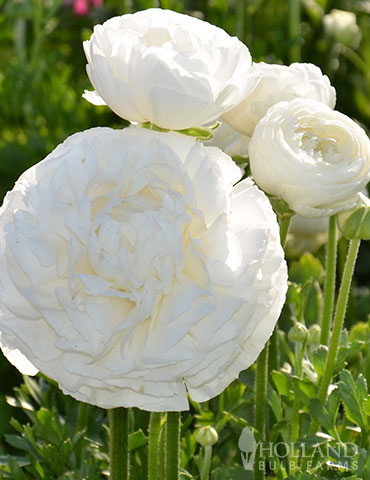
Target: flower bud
{"x":298,"y":333}
{"x":342,"y":27}
{"x":314,"y":333}
{"x":355,"y":223}
{"x":207,"y":436}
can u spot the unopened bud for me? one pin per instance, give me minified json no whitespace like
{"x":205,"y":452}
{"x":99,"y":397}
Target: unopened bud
{"x":355,"y":223}
{"x":314,"y":334}
{"x":207,"y":436}
{"x":298,"y":333}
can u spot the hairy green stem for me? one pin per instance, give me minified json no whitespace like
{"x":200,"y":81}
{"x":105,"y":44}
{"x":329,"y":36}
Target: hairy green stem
{"x":173,"y":446}
{"x":154,"y":434}
{"x":118,"y":443}
{"x":299,"y":352}
{"x":329,"y":290}
{"x":260,"y":405}
{"x":206,"y":466}
{"x":339,"y":318}
{"x":82,"y":422}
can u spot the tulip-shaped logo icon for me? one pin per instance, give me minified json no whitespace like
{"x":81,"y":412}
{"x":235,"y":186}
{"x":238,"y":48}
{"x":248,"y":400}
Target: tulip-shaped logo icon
{"x":248,"y":445}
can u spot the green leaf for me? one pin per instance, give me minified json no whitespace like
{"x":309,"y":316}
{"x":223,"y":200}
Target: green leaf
{"x":353,"y":396}
{"x":281,"y":383}
{"x":366,"y":405}
{"x":321,"y":415}
{"x":274,"y":402}
{"x":232,"y":473}
{"x":136,"y":440}
{"x":312,"y":441}
{"x":306,"y":268}
{"x":319,"y":357}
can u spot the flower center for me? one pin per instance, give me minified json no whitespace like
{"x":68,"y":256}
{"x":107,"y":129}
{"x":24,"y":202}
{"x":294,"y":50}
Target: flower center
{"x":321,"y":149}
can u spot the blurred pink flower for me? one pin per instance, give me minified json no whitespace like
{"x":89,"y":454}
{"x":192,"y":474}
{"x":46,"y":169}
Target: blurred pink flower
{"x":81,"y":7}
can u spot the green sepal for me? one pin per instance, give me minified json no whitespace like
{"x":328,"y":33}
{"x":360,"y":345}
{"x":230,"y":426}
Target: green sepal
{"x":281,"y":208}
{"x":201,"y":133}
{"x":355,"y":223}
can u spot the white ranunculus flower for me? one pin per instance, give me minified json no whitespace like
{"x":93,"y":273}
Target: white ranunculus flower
{"x":167,"y":68}
{"x":229,"y":141}
{"x":314,"y":158}
{"x":342,"y":27}
{"x":279,"y":83}
{"x":132,"y":271}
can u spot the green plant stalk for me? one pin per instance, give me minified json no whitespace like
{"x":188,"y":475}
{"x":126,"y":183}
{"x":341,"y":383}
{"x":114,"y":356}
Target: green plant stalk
{"x":154,"y":434}
{"x":339,"y":318}
{"x":173,"y":446}
{"x":294,"y":7}
{"x":162,"y":452}
{"x":260,"y":404}
{"x":206,"y":466}
{"x":299,"y":352}
{"x":82,"y":422}
{"x":118,"y":443}
{"x":329,"y":289}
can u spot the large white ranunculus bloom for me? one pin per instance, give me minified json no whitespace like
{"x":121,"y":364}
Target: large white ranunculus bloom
{"x":279,"y":83}
{"x":314,"y":158}
{"x":132,"y":270}
{"x":167,"y":68}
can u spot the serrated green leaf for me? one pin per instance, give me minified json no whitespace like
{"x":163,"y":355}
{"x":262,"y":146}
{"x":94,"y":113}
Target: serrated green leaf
{"x":305,"y":269}
{"x":321,"y":415}
{"x":353,"y":396}
{"x":314,"y":440}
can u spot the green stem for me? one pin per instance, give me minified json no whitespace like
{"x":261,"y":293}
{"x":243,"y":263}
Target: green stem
{"x":154,"y":434}
{"x":173,"y":446}
{"x":329,"y":292}
{"x":82,"y":422}
{"x":260,"y":405}
{"x":206,"y":466}
{"x":339,"y":318}
{"x":299,"y":352}
{"x":162,"y":452}
{"x":118,"y":443}
{"x":294,"y":30}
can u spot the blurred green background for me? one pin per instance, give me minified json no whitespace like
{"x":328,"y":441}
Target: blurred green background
{"x":42,"y":73}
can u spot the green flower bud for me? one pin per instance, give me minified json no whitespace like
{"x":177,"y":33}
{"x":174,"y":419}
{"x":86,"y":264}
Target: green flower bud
{"x":314,"y":334}
{"x":298,"y":333}
{"x":207,"y":436}
{"x":355,"y":223}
